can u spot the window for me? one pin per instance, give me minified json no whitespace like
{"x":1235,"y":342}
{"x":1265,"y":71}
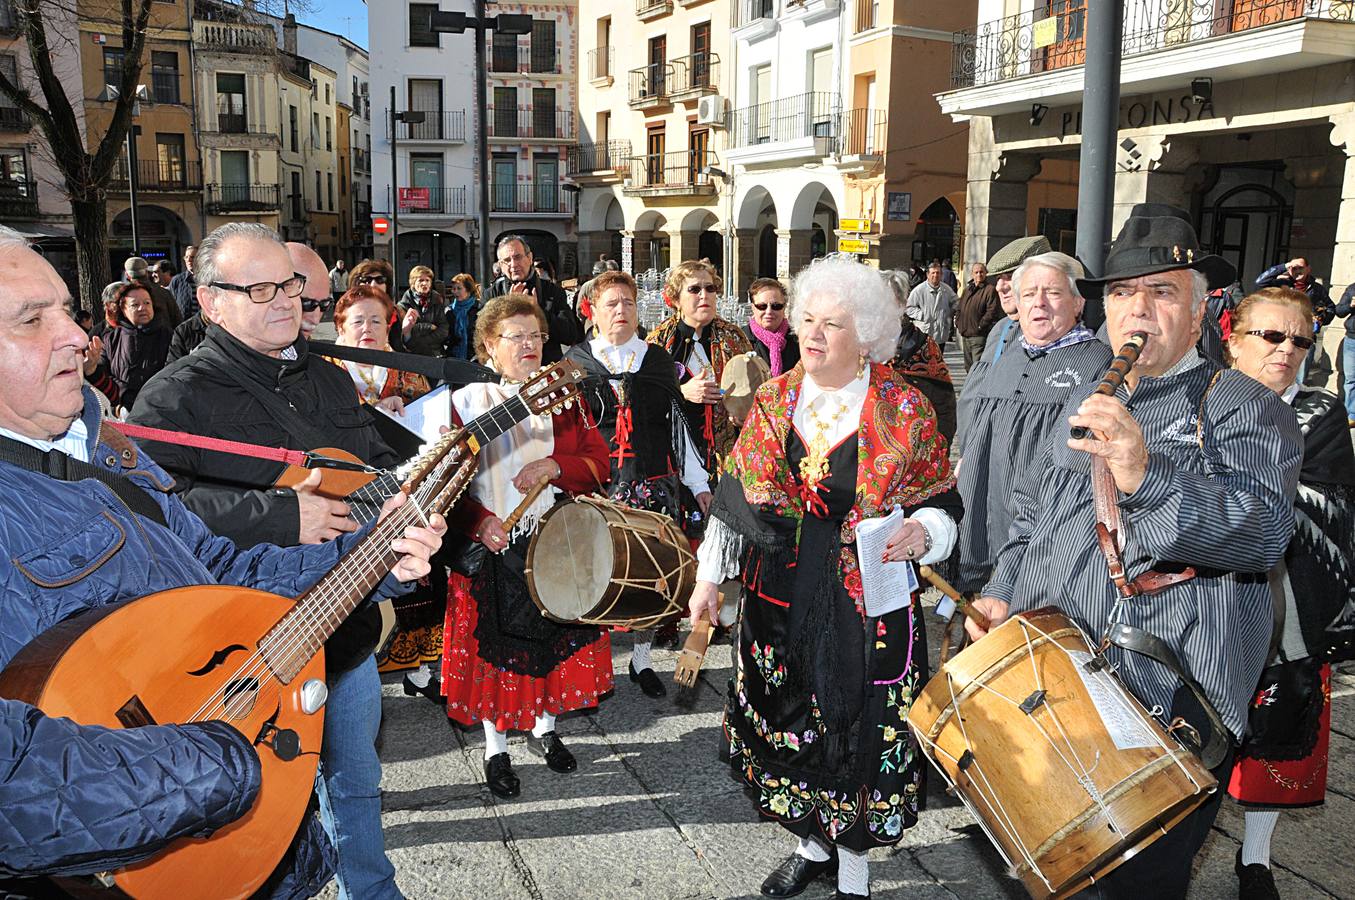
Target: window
{"x":543,"y":45}
{"x":546,"y":183}
{"x":230,"y":103}
{"x":329,"y":133}
{"x":654,"y":148}
{"x":544,"y":114}
{"x":503,"y":53}
{"x":13,"y":171}
{"x":505,"y":122}
{"x":421,"y":32}
{"x":503,"y":183}
{"x":170,"y":156}
{"x":821,"y":71}
{"x":9,"y":113}
{"x":315,"y":130}
{"x":113,"y":66}
{"x":700,"y":70}
{"x":291,"y":110}
{"x":319,"y":194}
{"x":329,"y":184}
{"x":425,"y":96}
{"x":762,"y":101}
{"x":165,"y":76}
{"x":296,"y":196}
{"x":328,"y":99}
{"x":425,"y":171}
{"x":698,"y":143}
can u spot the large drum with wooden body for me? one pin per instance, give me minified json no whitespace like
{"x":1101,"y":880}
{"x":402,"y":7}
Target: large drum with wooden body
{"x":1064,"y":769}
{"x":596,"y":562}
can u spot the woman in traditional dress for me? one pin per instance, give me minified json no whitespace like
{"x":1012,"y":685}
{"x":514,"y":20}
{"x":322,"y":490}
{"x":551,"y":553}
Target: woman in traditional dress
{"x":1283,"y":761}
{"x":504,"y":665}
{"x":822,"y":684}
{"x":632,"y":392}
{"x":700,"y":342}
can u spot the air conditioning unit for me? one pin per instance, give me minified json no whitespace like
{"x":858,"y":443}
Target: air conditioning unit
{"x":712,"y":110}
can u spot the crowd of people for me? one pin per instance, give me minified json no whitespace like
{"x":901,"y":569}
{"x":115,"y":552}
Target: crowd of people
{"x":765,"y":444}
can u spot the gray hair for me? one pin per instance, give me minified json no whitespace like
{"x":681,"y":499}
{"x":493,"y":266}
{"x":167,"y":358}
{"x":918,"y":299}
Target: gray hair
{"x":13,"y":240}
{"x":862,"y":292}
{"x":205,"y":266}
{"x":514,"y":239}
{"x":1199,"y":288}
{"x":900,"y":284}
{"x":1059,"y":262}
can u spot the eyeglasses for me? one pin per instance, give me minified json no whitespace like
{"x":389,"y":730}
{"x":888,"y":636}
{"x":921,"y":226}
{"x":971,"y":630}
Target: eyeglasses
{"x":527,"y":337}
{"x":265,"y":291}
{"x":311,"y":305}
{"x":695,"y":289}
{"x":372,"y":279}
{"x":762,"y":307}
{"x":1279,"y":337}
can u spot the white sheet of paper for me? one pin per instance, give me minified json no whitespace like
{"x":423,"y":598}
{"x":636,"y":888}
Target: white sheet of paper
{"x":426,"y":415}
{"x":886,"y":586}
{"x":1124,"y":722}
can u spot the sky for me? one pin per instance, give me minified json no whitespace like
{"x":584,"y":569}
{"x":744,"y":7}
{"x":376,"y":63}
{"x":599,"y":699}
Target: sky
{"x":345,"y":17}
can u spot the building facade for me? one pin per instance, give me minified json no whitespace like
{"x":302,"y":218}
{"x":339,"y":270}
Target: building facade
{"x":309,"y":158}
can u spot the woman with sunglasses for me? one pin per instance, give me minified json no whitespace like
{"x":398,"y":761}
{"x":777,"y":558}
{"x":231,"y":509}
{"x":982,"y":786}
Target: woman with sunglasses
{"x":768,"y":329}
{"x":377,"y":273}
{"x":1283,"y":762}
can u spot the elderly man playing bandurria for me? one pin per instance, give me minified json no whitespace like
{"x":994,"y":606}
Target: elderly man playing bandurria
{"x":90,"y":520}
{"x":1009,"y":407}
{"x":252,"y":379}
{"x":1204,"y":465}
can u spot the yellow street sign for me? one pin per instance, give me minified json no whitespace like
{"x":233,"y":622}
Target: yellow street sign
{"x":855,"y":225}
{"x":853,"y":246}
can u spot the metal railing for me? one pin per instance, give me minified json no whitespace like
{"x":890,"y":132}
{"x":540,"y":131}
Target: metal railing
{"x":234,"y":37}
{"x":155,"y":175}
{"x":650,"y":83}
{"x":600,"y":157}
{"x":1033,"y":42}
{"x":525,"y":58}
{"x":653,"y":7}
{"x":746,"y":11}
{"x":681,"y":169}
{"x":229,"y":198}
{"x":531,"y":198}
{"x":790,"y":118}
{"x":237,"y":123}
{"x":165,"y":87}
{"x":862,"y":132}
{"x":547,"y":123}
{"x":18,"y":199}
{"x":445,"y":201}
{"x":698,"y":72}
{"x":14,"y":119}
{"x":362,"y":162}
{"x":448,"y":125}
{"x":867,"y":15}
{"x":601,"y":61}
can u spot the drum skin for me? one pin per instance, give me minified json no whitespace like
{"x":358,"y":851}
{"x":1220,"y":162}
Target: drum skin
{"x":1020,"y":782}
{"x":596,"y":562}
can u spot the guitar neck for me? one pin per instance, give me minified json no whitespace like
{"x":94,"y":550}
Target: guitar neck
{"x":487,"y":426}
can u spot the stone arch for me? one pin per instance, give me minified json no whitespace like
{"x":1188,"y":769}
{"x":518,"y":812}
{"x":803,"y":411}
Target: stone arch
{"x":808,"y":202}
{"x":751,"y":206}
{"x":594,"y":210}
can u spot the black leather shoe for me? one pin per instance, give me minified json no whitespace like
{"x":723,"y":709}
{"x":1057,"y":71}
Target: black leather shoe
{"x":432,"y":690}
{"x":1254,"y":881}
{"x":499,"y":775}
{"x":795,"y":874}
{"x":648,"y":681}
{"x":843,"y":895}
{"x":549,"y":745}
{"x":666,"y":636}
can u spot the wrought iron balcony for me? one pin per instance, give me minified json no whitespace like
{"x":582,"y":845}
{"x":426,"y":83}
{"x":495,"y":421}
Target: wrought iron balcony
{"x":862,"y":132}
{"x":14,"y":119}
{"x":158,"y":176}
{"x":670,"y":173}
{"x":649,"y":85}
{"x":224,"y":199}
{"x":610,"y":156}
{"x":18,"y":199}
{"x":695,"y":75}
{"x":445,"y":201}
{"x":525,"y":198}
{"x":234,"y":37}
{"x":448,"y":126}
{"x":601,"y":62}
{"x":537,"y":124}
{"x":645,"y":10}
{"x":236,"y":123}
{"x":1033,"y":42}
{"x":524,"y":58}
{"x":362,"y":161}
{"x":813,"y":115}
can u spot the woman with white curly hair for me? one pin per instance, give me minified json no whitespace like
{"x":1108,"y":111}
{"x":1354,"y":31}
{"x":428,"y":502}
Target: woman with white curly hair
{"x":823,"y":682}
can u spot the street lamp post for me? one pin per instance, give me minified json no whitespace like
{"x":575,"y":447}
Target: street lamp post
{"x":457,"y":23}
{"x":407,"y":117}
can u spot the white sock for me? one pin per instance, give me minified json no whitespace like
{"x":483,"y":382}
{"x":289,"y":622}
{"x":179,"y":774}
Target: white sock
{"x":853,"y":872}
{"x":812,"y":850}
{"x":496,"y":741}
{"x":639,"y":656}
{"x":544,"y":723}
{"x":1259,"y":825}
{"x":420,"y":677}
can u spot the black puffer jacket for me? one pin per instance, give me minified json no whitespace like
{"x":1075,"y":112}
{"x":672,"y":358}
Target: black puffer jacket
{"x":202,"y":394}
{"x":565,"y":328}
{"x":429,"y":333}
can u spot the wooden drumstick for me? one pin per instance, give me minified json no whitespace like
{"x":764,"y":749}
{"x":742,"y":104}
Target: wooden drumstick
{"x":961,"y":603}
{"x":527,"y":501}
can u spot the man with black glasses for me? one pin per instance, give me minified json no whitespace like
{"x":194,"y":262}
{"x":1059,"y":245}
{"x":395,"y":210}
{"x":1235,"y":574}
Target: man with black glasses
{"x":252,"y":379}
{"x":520,"y":277}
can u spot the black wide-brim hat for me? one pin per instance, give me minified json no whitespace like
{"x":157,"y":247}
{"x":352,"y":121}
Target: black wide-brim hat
{"x":1158,"y":237}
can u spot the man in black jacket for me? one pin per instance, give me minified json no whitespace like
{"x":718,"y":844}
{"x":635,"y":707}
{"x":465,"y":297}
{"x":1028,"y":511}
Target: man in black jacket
{"x":252,"y":379}
{"x":519,"y":276}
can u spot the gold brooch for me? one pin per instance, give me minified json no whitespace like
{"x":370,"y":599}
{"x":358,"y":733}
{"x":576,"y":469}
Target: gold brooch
{"x":1176,"y":252}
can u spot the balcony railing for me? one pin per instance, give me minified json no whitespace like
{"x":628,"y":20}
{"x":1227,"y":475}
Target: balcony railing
{"x":867,"y":15}
{"x":679,"y":171}
{"x":524,"y":58}
{"x":802,"y":116}
{"x":234,"y":37}
{"x":698,"y":73}
{"x":223,"y":199}
{"x":862,"y":132}
{"x":14,"y":119}
{"x":541,"y":124}
{"x":362,"y":162}
{"x":652,"y":9}
{"x":650,"y":85}
{"x":1032,"y":42}
{"x":602,"y":157}
{"x":444,"y":201}
{"x":154,"y":175}
{"x":18,"y":199}
{"x":165,"y":87}
{"x":601,"y":61}
{"x":748,"y":11}
{"x":448,"y":125}
{"x":531,"y":198}
{"x":237,"y":123}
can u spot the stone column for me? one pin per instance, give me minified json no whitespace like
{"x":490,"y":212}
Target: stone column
{"x":745,"y":260}
{"x":683,"y":245}
{"x":1343,"y":253}
{"x":995,"y":204}
{"x":792,"y":251}
{"x":1151,"y":169}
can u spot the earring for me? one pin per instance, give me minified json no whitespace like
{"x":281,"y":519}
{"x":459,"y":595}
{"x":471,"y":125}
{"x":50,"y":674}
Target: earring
{"x":861,"y":366}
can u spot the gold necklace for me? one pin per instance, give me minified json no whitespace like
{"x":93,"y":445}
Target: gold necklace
{"x":814,"y":465}
{"x":373,"y":392}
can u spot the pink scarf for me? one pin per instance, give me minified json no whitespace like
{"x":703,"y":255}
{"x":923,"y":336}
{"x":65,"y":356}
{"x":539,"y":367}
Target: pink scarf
{"x":775,"y":341}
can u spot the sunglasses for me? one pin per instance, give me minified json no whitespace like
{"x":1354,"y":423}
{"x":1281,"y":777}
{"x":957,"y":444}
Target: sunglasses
{"x":1279,"y":337}
{"x":309,"y":305}
{"x":372,"y":279}
{"x":695,"y":289}
{"x":762,"y":307}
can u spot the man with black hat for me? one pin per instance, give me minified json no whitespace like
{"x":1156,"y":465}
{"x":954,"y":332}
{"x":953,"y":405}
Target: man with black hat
{"x":1203,"y":473}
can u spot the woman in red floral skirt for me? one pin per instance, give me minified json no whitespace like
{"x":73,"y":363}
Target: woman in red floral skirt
{"x":504,"y":665}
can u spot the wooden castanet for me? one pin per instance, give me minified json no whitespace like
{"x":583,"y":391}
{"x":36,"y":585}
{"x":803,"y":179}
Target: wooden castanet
{"x":1012,"y":726}
{"x":95,"y":669}
{"x":336,"y":484}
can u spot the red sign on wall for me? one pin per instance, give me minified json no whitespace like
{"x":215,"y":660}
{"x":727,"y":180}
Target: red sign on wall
{"x":413,"y":198}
